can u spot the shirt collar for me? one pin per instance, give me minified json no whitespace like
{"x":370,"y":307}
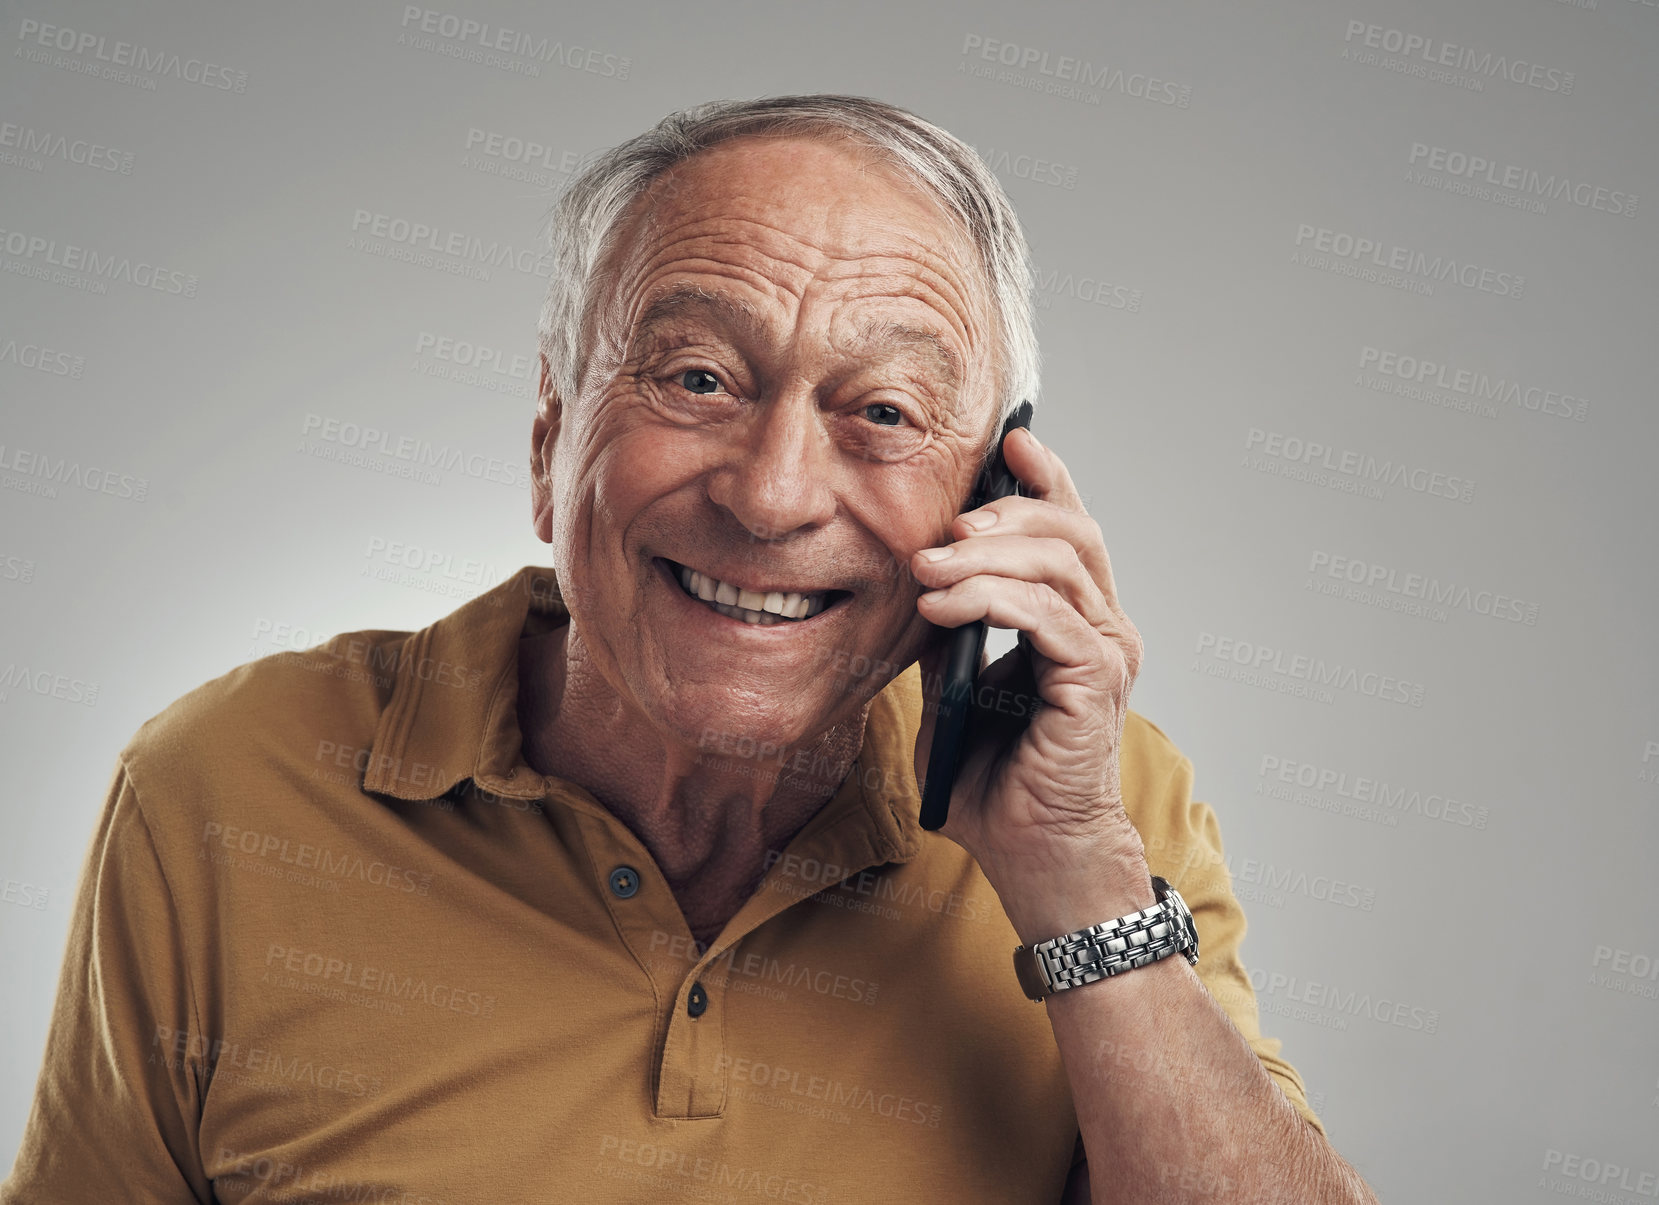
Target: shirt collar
{"x":453,"y":716}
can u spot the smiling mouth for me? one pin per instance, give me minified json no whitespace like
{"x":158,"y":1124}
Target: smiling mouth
{"x":759,"y":607}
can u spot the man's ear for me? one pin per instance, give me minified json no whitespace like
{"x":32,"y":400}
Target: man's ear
{"x":544,"y":433}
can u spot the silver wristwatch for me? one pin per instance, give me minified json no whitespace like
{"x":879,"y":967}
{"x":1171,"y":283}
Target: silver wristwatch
{"x":1109,"y":948}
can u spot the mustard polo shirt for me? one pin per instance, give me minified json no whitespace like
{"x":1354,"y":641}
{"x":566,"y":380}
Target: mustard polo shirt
{"x":335,"y":940}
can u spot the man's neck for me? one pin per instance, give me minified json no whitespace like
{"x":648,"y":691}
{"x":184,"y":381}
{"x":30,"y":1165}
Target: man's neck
{"x":707,"y":820}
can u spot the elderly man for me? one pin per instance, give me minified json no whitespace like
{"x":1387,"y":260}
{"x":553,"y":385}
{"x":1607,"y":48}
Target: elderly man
{"x":610,"y":885}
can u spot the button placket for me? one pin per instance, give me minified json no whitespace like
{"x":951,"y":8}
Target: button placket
{"x":689,"y":1082}
{"x":688,"y":1037}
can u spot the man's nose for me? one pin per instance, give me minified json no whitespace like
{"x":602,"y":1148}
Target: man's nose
{"x":777,"y":475}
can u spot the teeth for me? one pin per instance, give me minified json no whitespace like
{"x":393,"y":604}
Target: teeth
{"x":751,"y":606}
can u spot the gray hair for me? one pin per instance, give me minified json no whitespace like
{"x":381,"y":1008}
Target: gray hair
{"x":586,"y":219}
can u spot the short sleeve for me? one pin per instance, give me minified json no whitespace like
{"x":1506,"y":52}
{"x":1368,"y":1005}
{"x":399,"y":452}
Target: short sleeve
{"x":115,"y":1111}
{"x":1182,"y":838}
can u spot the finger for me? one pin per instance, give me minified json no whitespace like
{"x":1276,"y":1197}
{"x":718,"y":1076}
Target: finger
{"x":1050,"y":559}
{"x":1041,"y":472}
{"x":1043,"y":475}
{"x":1040,"y":517}
{"x":1055,"y":628}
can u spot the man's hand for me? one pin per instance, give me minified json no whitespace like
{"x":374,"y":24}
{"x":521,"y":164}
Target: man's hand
{"x":1038,"y":800}
{"x":1039,"y":805}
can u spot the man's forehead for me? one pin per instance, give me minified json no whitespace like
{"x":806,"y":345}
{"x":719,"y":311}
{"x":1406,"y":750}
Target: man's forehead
{"x":870,"y":333}
{"x":796,"y":199}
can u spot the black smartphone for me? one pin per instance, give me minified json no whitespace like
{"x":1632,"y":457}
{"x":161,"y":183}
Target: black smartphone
{"x":956,"y":696}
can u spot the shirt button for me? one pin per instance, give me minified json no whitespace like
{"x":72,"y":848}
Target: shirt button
{"x":697,"y":1001}
{"x":624,"y":881}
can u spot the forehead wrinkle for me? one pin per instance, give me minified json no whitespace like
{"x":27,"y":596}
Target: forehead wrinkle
{"x":693,"y":300}
{"x":931,"y":280}
{"x":920,"y":276}
{"x":679,"y":233}
{"x":938,"y":268}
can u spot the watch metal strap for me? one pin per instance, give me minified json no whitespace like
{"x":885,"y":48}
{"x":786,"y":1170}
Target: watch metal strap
{"x":1111,"y":947}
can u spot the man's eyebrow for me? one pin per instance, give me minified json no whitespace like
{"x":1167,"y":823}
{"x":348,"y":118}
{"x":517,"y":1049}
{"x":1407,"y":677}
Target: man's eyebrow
{"x":891,"y":333}
{"x":692,"y":299}
{"x":883,"y":334}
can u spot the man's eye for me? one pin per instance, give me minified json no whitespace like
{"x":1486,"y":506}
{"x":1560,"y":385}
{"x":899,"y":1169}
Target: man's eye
{"x":883,"y":414}
{"x":697,"y":380}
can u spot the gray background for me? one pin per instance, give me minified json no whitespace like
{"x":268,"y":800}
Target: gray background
{"x":237,"y":510}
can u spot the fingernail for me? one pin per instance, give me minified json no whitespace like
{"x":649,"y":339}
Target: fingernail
{"x":935,"y":554}
{"x":979,"y":520}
